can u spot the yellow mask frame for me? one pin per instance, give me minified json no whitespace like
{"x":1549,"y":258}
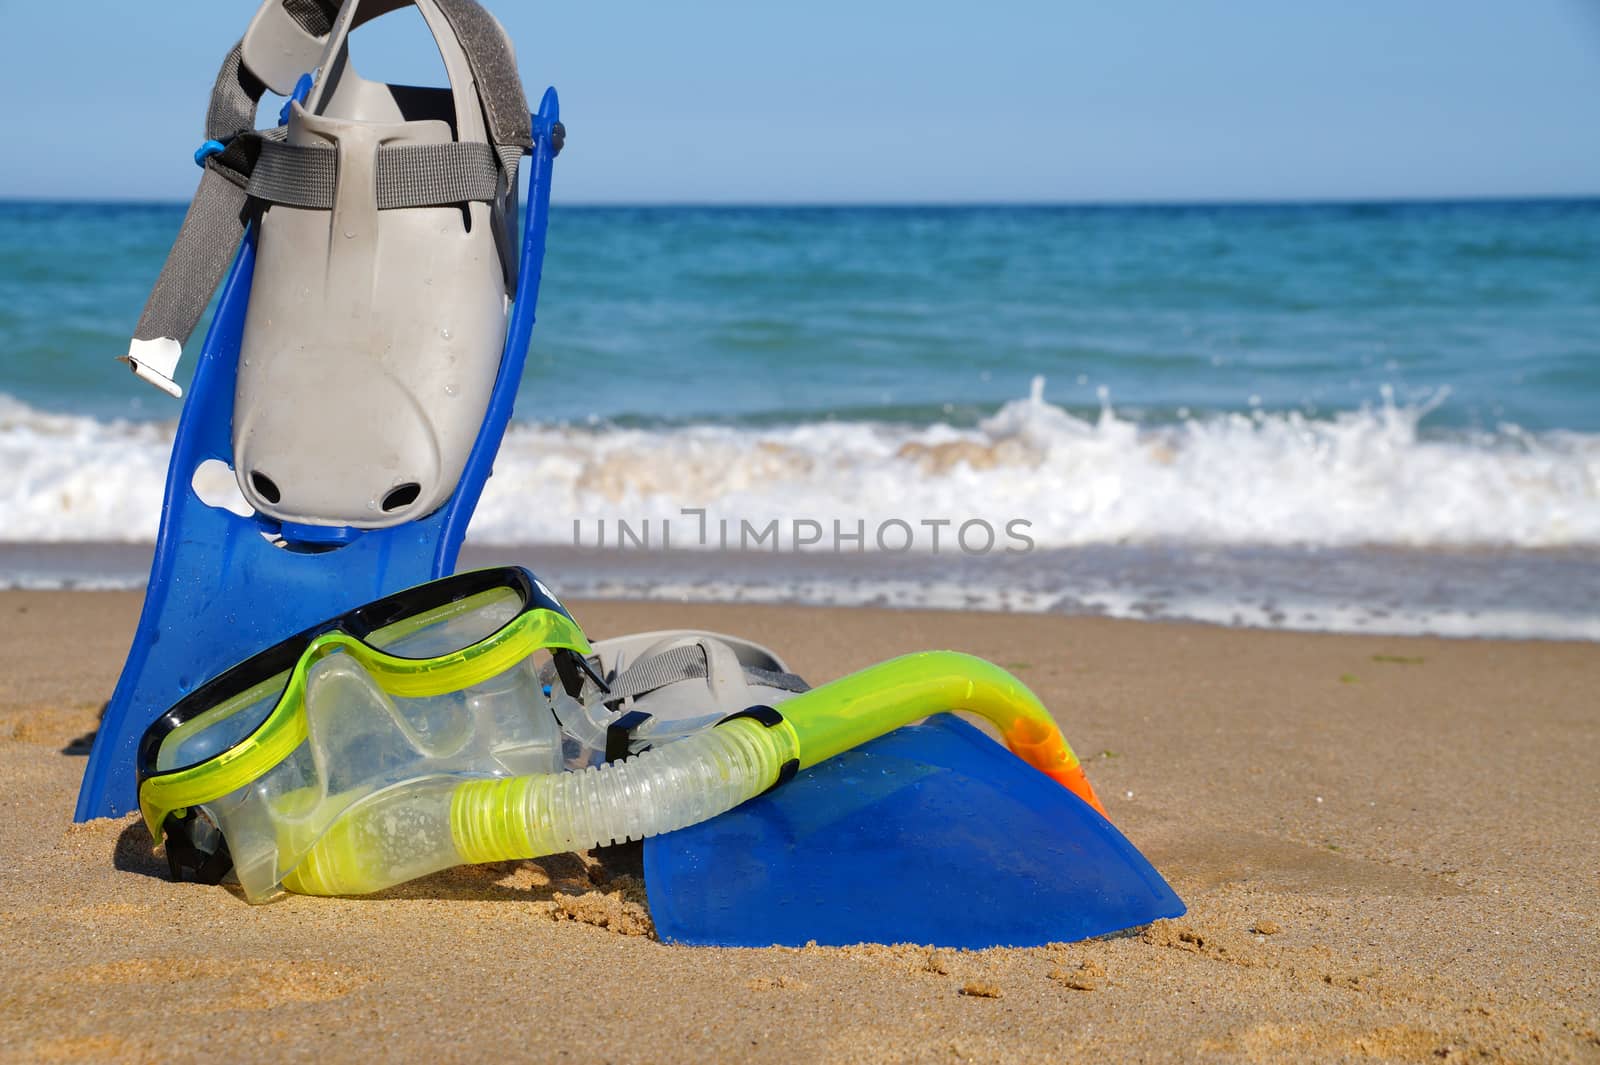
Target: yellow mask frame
{"x":542,"y":623}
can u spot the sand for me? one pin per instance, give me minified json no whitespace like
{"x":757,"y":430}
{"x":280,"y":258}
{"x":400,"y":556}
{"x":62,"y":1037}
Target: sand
{"x":1388,"y":847}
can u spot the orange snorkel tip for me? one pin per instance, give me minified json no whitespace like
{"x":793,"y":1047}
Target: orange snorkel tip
{"x":1046,"y":750}
{"x":1075,"y":781}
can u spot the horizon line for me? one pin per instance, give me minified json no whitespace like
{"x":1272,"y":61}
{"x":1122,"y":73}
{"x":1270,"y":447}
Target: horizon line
{"x":1310,"y":201}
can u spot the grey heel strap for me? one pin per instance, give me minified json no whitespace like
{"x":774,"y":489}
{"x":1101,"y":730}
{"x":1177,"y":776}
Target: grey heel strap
{"x":286,"y":38}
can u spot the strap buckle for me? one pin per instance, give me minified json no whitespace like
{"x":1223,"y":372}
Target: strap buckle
{"x":156,"y":361}
{"x":206,"y":151}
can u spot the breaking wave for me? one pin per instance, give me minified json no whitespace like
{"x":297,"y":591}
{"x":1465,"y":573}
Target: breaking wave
{"x":1273,"y":478}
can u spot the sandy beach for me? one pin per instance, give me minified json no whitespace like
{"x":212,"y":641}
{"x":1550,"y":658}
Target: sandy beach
{"x":1387,"y":846}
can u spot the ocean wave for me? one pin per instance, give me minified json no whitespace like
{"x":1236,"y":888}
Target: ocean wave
{"x":1031,"y":472}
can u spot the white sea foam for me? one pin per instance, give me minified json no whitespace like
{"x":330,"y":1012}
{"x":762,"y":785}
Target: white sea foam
{"x":1364,"y":477}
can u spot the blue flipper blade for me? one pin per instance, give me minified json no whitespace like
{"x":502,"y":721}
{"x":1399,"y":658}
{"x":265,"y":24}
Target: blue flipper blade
{"x":932,"y":834}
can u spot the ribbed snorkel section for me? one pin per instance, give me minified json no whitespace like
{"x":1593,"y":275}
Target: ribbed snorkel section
{"x":668,"y":788}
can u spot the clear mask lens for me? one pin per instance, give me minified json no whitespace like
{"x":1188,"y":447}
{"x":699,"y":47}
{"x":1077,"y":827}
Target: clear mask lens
{"x":438,"y":632}
{"x":224,"y":727}
{"x":450,"y":628}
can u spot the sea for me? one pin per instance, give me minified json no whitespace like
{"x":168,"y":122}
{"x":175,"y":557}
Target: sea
{"x":1357,"y":417}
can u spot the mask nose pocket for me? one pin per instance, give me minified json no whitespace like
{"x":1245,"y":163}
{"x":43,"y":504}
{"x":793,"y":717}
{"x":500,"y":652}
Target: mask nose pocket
{"x":365,"y":739}
{"x":523,"y":734}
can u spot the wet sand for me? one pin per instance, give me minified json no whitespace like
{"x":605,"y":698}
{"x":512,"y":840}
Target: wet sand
{"x":1388,"y":847}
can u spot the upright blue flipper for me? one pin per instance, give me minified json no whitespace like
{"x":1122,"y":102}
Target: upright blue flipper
{"x":219,"y":590}
{"x":932,"y":834}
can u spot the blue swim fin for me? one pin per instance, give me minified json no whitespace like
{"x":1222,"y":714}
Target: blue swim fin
{"x":933,"y":834}
{"x":219,"y":590}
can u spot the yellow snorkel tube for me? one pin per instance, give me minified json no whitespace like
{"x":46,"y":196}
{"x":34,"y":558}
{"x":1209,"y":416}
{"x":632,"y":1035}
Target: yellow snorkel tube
{"x":419,"y":826}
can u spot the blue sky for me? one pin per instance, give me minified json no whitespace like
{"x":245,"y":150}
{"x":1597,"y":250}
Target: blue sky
{"x":885,"y":101}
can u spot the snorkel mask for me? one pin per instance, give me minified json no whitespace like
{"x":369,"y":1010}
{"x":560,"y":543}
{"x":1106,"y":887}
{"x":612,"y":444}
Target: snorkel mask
{"x":439,"y":681}
{"x":464,"y":721}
